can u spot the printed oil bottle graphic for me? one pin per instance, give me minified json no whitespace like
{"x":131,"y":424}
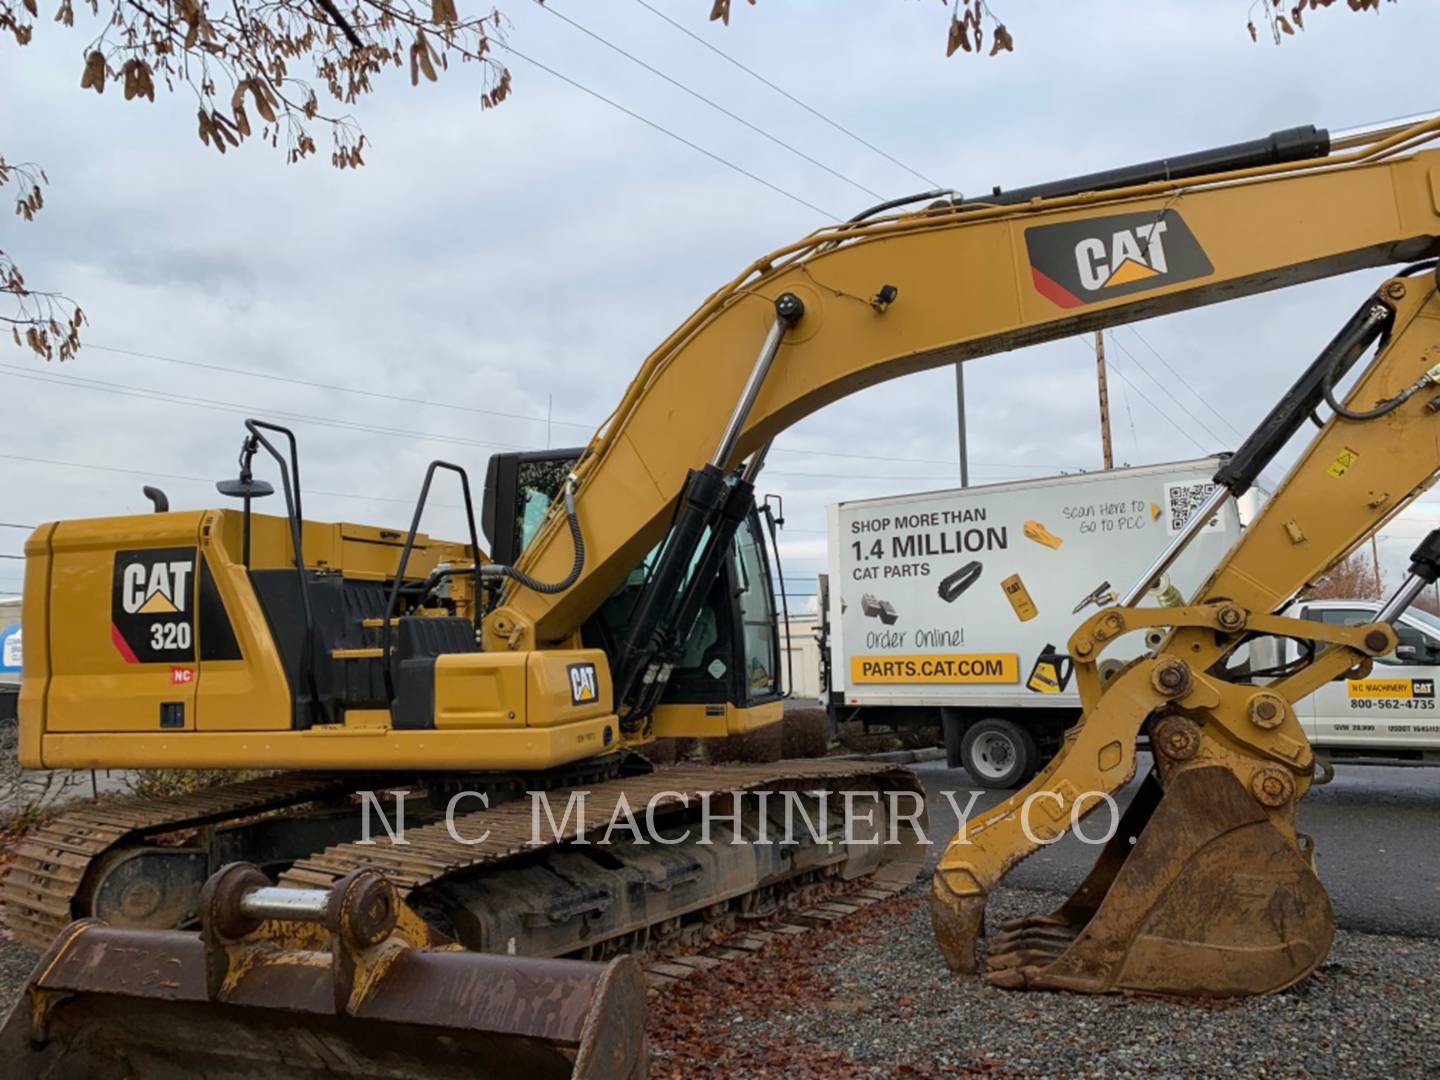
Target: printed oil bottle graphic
{"x":1051,"y":673}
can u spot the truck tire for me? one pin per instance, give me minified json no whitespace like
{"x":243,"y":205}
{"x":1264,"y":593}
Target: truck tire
{"x":998,"y":754}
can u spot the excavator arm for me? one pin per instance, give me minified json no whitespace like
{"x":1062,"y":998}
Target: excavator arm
{"x":1206,"y":886}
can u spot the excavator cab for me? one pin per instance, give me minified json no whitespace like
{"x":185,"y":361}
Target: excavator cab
{"x":724,"y":673}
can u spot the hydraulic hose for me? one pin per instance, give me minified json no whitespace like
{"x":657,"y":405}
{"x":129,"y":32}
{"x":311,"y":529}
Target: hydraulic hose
{"x":1389,"y":405}
{"x":549,"y":588}
{"x":1385,"y":407}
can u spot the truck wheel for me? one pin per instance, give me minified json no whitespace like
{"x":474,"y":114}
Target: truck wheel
{"x":998,"y":754}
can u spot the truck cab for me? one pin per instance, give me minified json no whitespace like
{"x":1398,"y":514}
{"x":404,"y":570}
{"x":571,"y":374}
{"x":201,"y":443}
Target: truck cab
{"x":1390,"y":715}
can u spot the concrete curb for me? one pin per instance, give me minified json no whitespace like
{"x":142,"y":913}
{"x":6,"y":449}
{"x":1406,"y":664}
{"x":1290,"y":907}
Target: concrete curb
{"x":900,"y":757}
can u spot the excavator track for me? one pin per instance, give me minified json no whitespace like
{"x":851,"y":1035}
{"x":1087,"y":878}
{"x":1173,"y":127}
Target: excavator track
{"x":41,"y":893}
{"x":50,"y":863}
{"x":431,"y":855}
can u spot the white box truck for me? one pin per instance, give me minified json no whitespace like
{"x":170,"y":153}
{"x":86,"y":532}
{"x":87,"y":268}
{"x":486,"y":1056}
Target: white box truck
{"x":953,"y":608}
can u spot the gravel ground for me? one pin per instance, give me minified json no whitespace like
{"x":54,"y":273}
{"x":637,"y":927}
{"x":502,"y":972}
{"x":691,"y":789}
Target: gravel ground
{"x":870,"y":997}
{"x":873,"y":998}
{"x":16,"y":963}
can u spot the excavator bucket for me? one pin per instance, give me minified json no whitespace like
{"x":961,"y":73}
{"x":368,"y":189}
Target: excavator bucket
{"x":1203,"y":888}
{"x":346,"y":981}
{"x":1197,"y":894}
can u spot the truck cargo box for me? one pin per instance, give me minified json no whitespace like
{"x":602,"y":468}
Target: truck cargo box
{"x":963,"y":600}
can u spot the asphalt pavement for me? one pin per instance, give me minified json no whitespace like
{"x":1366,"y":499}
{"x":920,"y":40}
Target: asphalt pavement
{"x":1376,"y":830}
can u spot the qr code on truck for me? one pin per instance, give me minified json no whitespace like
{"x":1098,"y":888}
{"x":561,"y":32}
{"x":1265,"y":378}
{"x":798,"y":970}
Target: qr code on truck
{"x":1182,"y":500}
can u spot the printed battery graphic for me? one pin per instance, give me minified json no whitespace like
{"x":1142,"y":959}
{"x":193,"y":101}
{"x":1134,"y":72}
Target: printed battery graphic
{"x":1019,"y":598}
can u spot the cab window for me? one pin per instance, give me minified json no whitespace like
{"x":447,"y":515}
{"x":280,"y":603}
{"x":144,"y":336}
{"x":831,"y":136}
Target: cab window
{"x":757,"y":609}
{"x":1419,"y":647}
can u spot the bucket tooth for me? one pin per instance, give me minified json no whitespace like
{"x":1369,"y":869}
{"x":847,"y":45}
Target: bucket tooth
{"x":1212,"y":899}
{"x":316,"y":983}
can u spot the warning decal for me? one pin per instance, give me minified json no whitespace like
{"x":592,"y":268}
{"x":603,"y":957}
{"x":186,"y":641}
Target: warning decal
{"x":1343,"y":461}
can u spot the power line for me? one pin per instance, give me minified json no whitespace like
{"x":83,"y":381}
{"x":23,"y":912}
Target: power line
{"x":1181,"y":379}
{"x":787,"y":95}
{"x":1111,"y":367}
{"x":1170,"y":420}
{"x":918,"y":461}
{"x":269,"y":376}
{"x":252,"y":373}
{"x":8,"y":525}
{"x":828,"y":215}
{"x":152,"y":475}
{"x":840,"y":476}
{"x":245,"y":410}
{"x":1219,"y":439}
{"x":370,"y":498}
{"x":713,"y":104}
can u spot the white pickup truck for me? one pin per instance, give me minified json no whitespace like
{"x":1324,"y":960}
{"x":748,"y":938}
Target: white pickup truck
{"x":1388,"y":717}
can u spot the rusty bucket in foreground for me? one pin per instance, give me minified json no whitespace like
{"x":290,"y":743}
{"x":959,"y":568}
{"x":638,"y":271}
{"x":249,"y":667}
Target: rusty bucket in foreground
{"x":346,"y":981}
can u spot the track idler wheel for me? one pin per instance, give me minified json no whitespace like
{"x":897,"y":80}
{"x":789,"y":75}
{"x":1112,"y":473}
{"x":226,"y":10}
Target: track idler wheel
{"x":1197,"y":894}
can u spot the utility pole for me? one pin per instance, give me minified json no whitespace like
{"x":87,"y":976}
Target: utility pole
{"x":1108,"y":453}
{"x":1375,"y":555}
{"x":960,"y":423}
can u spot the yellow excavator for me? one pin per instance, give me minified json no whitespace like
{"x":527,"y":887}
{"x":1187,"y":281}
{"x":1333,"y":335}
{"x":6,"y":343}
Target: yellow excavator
{"x":626,"y":596}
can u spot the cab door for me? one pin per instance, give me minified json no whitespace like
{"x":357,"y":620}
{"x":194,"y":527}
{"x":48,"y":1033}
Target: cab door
{"x":1391,"y":708}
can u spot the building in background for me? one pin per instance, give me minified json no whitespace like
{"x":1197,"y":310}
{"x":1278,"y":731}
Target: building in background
{"x":10,"y":641}
{"x":9,"y":657}
{"x":800,"y":657}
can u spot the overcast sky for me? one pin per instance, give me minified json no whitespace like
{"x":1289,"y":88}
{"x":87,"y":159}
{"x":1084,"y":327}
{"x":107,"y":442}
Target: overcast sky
{"x":523,"y":260}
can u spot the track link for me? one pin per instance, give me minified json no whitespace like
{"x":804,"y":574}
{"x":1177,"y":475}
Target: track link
{"x":48,"y":873}
{"x":50,"y":863}
{"x":431,"y":855}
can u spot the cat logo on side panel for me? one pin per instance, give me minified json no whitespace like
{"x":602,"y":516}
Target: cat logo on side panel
{"x":584,"y":684}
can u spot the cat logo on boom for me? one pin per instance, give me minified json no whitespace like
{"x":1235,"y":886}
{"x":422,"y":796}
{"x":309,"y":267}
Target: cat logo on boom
{"x":1080,"y":262}
{"x":584,"y":684}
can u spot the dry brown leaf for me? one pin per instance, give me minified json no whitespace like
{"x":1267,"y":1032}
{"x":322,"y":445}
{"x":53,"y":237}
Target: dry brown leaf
{"x":958,"y":37}
{"x":263,"y":96}
{"x":94,"y":76}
